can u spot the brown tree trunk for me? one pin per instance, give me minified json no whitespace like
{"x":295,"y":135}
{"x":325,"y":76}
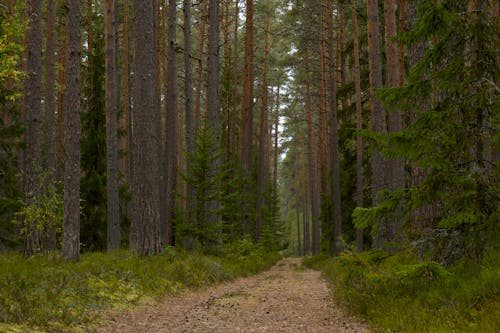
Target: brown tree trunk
{"x":359,"y":123}
{"x":263,"y":138}
{"x":311,"y":163}
{"x":305,"y":204}
{"x":335,"y":241}
{"x":32,"y":104}
{"x":145,"y":234}
{"x":234,"y":148}
{"x":188,"y":98}
{"x":61,"y":75}
{"x":395,"y":179}
{"x":72,"y":128}
{"x":124,"y":162}
{"x":247,"y":98}
{"x":276,"y":135}
{"x":113,"y":200}
{"x":377,"y":111}
{"x":172,"y":123}
{"x":199,"y":80}
{"x":50,"y":110}
{"x":298,"y":201}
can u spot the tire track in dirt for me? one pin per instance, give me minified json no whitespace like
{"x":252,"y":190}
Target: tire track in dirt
{"x":287,"y":298}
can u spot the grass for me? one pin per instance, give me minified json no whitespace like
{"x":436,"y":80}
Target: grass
{"x":44,"y":293}
{"x":399,"y":293}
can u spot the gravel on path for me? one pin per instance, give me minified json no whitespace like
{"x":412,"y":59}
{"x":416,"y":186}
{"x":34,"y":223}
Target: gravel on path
{"x":287,"y":298}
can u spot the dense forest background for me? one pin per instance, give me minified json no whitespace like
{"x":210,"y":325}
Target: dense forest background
{"x":311,"y":126}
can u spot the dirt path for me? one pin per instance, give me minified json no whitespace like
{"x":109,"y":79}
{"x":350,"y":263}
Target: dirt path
{"x":287,"y":298}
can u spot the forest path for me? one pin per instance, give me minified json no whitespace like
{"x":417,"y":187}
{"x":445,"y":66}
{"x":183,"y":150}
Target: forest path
{"x":286,"y":298}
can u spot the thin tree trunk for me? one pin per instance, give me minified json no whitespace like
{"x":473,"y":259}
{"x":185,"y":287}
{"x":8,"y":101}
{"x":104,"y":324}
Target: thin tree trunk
{"x":32,"y":104}
{"x":396,"y":179}
{"x":359,"y":123}
{"x":305,"y":205}
{"x":335,"y":242}
{"x":113,"y":200}
{"x":297,"y":212}
{"x":172,"y":122}
{"x":125,"y":119}
{"x":234,"y":148}
{"x":401,"y":27}
{"x":311,"y":165}
{"x":199,"y":80}
{"x":377,"y":111}
{"x":263,"y":138}
{"x":276,"y":135}
{"x":61,"y":75}
{"x":248,"y":91}
{"x":145,"y":233}
{"x":188,"y":98}
{"x":71,"y":225}
{"x":50,"y":110}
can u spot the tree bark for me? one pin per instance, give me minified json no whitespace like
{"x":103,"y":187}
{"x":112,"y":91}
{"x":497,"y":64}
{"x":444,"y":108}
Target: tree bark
{"x":32,"y":105}
{"x":113,"y":200}
{"x":248,"y":91}
{"x":359,"y":123}
{"x":377,"y":111}
{"x":172,"y":122}
{"x":188,"y":98}
{"x":72,"y":132}
{"x":263,"y":138}
{"x":199,"y":80}
{"x":311,"y":163}
{"x":145,"y":234}
{"x":335,"y":242}
{"x":50,"y":110}
{"x":124,"y":163}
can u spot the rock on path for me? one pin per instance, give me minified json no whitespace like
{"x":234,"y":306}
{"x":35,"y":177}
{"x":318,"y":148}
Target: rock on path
{"x":287,"y":298}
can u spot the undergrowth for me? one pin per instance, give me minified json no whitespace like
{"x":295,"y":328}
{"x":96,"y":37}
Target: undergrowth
{"x":44,"y":293}
{"x":399,"y":293}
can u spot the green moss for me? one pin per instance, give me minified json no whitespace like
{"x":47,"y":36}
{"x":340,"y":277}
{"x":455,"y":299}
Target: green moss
{"x":399,"y":293}
{"x":44,"y":293}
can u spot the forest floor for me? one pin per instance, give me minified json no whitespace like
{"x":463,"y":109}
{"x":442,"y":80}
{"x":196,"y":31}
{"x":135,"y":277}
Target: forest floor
{"x":286,"y":298}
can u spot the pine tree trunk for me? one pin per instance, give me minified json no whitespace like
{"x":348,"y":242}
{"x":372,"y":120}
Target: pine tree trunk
{"x":276,"y":135}
{"x":72,"y":132}
{"x":359,"y":123}
{"x":145,"y":234}
{"x":61,"y":75}
{"x":188,"y":98}
{"x":113,"y":200}
{"x":396,"y":177}
{"x":172,"y":121}
{"x":335,"y":243}
{"x":50,"y":133}
{"x":124,"y":162}
{"x":248,"y":90}
{"x":263,"y":138}
{"x":234,"y":148}
{"x":305,"y":204}
{"x":32,"y":104}
{"x":213,"y":100}
{"x":311,"y":163}
{"x":199,"y":80}
{"x":377,"y":111}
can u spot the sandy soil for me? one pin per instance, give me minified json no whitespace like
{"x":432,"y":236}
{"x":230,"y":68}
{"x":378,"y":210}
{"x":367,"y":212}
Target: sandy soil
{"x":287,"y":298}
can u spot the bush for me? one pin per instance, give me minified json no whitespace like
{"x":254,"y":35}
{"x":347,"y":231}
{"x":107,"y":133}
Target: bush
{"x":48,"y":293}
{"x":399,"y":293}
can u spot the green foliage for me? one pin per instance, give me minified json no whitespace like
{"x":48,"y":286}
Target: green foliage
{"x":93,"y":147}
{"x":454,"y":102}
{"x":46,"y":292}
{"x":399,"y":293}
{"x":46,"y":212}
{"x":12,"y":29}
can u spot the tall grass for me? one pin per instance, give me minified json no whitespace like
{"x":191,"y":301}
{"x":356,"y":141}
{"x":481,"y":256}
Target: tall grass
{"x":45,"y":293}
{"x":399,"y":293}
